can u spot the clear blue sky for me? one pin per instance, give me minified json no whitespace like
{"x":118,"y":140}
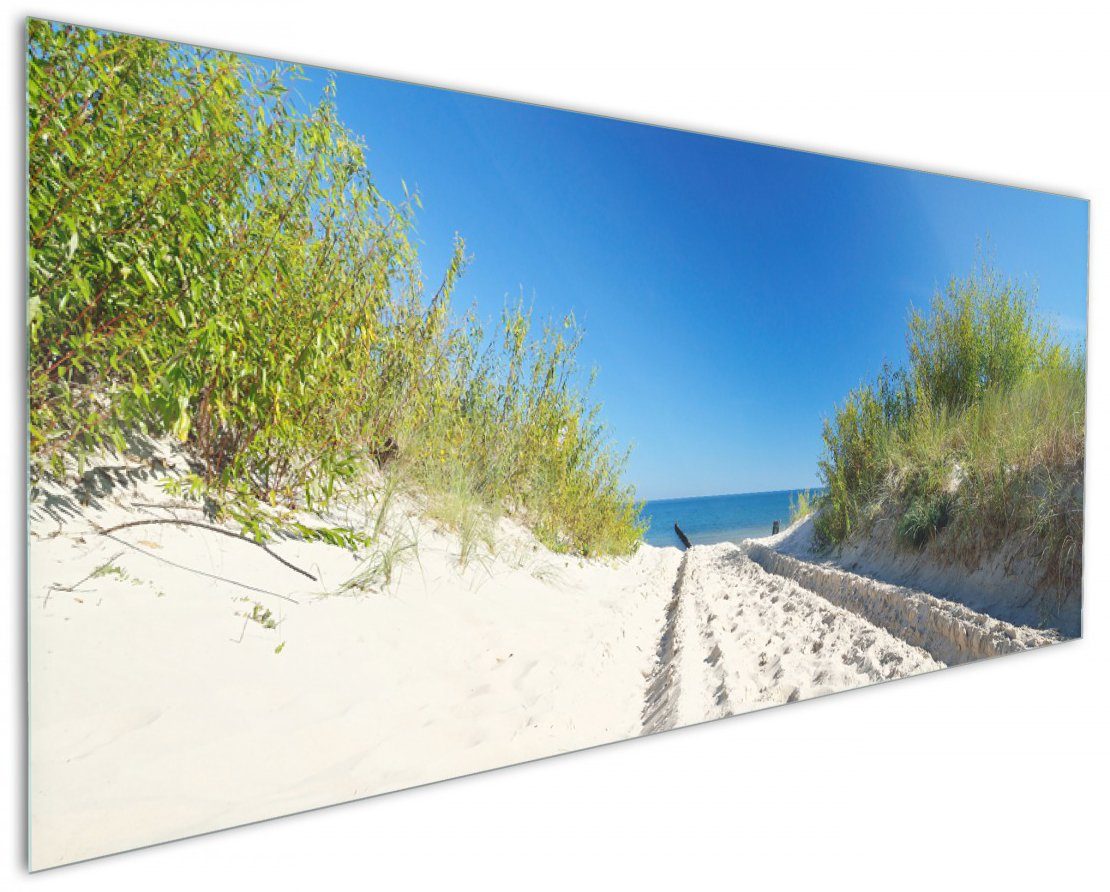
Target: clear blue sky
{"x":731,"y":292}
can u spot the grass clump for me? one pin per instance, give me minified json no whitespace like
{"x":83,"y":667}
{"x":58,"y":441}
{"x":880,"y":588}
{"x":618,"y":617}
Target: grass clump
{"x":453,"y":501}
{"x":924,"y":518}
{"x":382,"y":565}
{"x":977,"y":444}
{"x":211,"y":260}
{"x":803,"y":505}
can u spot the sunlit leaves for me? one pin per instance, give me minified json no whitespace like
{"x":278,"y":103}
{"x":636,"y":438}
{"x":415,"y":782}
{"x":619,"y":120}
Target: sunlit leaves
{"x":212,"y":260}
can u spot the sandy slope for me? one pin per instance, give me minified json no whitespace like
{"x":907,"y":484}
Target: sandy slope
{"x":158,"y":711}
{"x":1005,"y":585}
{"x":984,"y":615}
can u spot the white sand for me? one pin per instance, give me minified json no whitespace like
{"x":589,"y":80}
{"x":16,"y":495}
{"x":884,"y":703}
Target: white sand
{"x":747,"y":639}
{"x":151,"y":720}
{"x":157,"y":711}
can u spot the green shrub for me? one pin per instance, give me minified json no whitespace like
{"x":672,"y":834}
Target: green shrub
{"x":981,"y":334}
{"x":853,"y":466}
{"x":209,"y":260}
{"x":925,"y":517}
{"x":981,"y":438}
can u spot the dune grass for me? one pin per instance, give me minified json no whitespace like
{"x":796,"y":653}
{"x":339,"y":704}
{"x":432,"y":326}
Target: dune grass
{"x":803,"y":505}
{"x":211,"y":260}
{"x":977,"y":444}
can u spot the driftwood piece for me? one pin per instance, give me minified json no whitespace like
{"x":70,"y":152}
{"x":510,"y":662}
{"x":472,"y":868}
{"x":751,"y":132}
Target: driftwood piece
{"x":212,"y":529}
{"x":682,"y":537}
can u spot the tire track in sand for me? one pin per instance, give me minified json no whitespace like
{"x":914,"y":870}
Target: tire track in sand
{"x":661,"y":696}
{"x":737,"y":638}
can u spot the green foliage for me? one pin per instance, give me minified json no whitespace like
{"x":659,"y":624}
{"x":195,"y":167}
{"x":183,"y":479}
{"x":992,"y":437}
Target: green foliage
{"x":981,"y":438}
{"x":852,"y":467}
{"x":981,"y":334}
{"x":455,"y":502}
{"x":210,"y":261}
{"x":523,"y":438}
{"x":925,"y":517}
{"x":108,"y":568}
{"x":261,"y":615}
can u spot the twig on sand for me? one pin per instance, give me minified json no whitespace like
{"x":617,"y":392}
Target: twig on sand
{"x":212,"y":529}
{"x":54,"y":587}
{"x":164,"y":560}
{"x":169,"y":506}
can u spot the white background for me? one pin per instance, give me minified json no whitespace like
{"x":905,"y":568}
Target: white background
{"x":992,"y":773}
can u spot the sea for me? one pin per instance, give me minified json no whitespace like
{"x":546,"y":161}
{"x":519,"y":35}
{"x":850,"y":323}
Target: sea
{"x":710,"y":519}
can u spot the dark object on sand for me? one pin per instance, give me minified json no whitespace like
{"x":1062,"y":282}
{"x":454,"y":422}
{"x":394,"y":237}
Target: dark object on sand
{"x":775,"y":528}
{"x":681,"y":535}
{"x":385,"y":453}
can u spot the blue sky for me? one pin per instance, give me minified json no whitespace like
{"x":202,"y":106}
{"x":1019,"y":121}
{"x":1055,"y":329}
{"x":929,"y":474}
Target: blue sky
{"x":731,"y":292}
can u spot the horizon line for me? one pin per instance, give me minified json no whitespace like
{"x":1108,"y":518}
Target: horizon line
{"x":758,"y":492}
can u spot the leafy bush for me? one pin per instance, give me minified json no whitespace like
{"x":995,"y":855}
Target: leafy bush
{"x":981,"y":334}
{"x":981,"y":437}
{"x":211,"y":261}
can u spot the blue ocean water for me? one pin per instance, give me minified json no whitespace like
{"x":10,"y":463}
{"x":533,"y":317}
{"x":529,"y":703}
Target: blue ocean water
{"x":710,"y":519}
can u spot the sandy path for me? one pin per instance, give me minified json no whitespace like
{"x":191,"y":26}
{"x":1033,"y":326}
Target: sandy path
{"x":738,"y":638}
{"x":158,"y":710}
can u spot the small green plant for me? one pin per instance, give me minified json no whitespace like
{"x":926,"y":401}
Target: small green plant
{"x":108,"y":568}
{"x":924,"y":519}
{"x":261,"y":615}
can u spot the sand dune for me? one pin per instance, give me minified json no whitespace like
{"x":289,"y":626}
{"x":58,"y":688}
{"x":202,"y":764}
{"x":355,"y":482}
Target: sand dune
{"x":1001,"y":597}
{"x":160,"y":708}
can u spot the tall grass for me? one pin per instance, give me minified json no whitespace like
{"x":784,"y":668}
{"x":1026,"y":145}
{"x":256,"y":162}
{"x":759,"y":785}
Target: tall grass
{"x":978,"y":443}
{"x":803,"y":505}
{"x":210,"y":260}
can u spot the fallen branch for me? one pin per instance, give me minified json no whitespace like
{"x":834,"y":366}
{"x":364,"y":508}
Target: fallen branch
{"x":169,"y":506}
{"x":164,"y":560}
{"x":212,"y":529}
